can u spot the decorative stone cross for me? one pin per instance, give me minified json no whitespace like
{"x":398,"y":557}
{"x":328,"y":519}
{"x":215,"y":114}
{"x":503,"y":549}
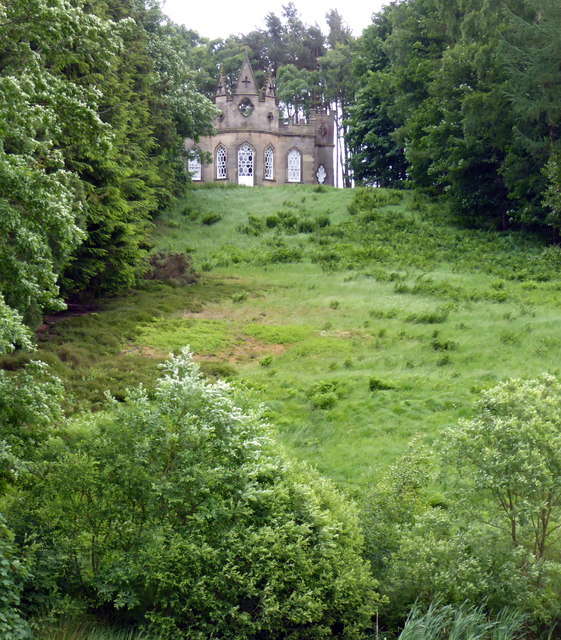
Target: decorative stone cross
{"x":246,"y":81}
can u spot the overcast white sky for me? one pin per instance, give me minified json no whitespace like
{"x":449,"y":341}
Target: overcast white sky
{"x":221,"y":18}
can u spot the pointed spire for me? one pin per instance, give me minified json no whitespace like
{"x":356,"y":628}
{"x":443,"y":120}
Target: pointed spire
{"x":269,"y":89}
{"x":246,"y":84}
{"x":221,"y":86}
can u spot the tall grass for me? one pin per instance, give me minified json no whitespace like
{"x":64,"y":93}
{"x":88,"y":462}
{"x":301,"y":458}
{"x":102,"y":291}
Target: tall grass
{"x":448,"y":622}
{"x":79,"y":630}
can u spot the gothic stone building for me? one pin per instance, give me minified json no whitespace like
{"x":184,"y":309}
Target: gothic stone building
{"x":253,"y":145}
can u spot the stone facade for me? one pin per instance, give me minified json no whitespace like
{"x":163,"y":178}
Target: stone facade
{"x":254,"y":146}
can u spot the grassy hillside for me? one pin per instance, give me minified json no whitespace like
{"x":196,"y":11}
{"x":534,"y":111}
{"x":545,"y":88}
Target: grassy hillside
{"x":359,"y":319}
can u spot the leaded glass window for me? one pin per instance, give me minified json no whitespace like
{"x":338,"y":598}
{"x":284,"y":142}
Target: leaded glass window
{"x":245,"y":161}
{"x":221,"y":163}
{"x":294,"y":166}
{"x":194,"y":167}
{"x":269,"y":166}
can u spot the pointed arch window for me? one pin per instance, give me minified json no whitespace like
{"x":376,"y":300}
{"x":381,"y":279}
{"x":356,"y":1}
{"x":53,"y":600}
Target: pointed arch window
{"x":294,"y":168}
{"x":194,"y":166}
{"x":269,"y":163}
{"x":221,"y":166}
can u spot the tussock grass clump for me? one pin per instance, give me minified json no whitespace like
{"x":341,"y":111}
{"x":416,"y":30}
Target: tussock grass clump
{"x":377,"y":384}
{"x":210,"y":218}
{"x":323,"y":394}
{"x":254,"y":226}
{"x":432,"y":316}
{"x":449,"y":622}
{"x":77,"y":630}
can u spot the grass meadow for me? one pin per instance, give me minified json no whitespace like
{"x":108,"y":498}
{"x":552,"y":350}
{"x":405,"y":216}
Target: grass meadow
{"x":357,"y":318}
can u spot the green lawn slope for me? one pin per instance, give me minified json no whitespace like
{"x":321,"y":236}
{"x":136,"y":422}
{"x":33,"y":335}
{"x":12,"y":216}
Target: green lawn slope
{"x":359,"y":319}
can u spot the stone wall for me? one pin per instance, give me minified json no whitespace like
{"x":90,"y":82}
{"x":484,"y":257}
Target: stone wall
{"x":251,"y":116}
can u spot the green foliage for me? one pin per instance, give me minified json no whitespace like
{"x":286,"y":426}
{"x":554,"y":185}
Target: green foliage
{"x":30,"y":400}
{"x":91,"y":147}
{"x":435,"y":316}
{"x":179,"y":513}
{"x":511,"y":449}
{"x":12,"y":576}
{"x":78,"y":630}
{"x":209,"y":219}
{"x":323,"y":394}
{"x":461,"y":100}
{"x":445,"y":622}
{"x":206,"y":336}
{"x":377,"y":384}
{"x":39,"y":200}
{"x":254,"y":226}
{"x":13,"y":333}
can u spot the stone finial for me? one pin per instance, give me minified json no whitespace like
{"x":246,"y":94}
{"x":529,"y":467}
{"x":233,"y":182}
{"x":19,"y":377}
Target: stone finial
{"x":221,"y":86}
{"x":269,"y":89}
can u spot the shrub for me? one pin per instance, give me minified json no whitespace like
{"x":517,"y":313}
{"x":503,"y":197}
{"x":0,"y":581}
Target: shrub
{"x":266,"y":361}
{"x":254,"y":226}
{"x":175,"y":268}
{"x":322,"y":221}
{"x":324,"y":400}
{"x":239,"y":296}
{"x":377,"y":384}
{"x":323,"y":394}
{"x":434,"y":316}
{"x":211,"y":218}
{"x":178,"y":511}
{"x":306,"y":225}
{"x":283,"y":254}
{"x":272,"y":221}
{"x":12,"y":574}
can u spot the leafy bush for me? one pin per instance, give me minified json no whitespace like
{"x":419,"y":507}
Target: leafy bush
{"x":30,"y":406}
{"x":178,"y":512}
{"x":254,"y":226}
{"x":377,"y":384}
{"x":281,"y":254}
{"x":323,"y":394}
{"x":12,"y":574}
{"x":266,"y":361}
